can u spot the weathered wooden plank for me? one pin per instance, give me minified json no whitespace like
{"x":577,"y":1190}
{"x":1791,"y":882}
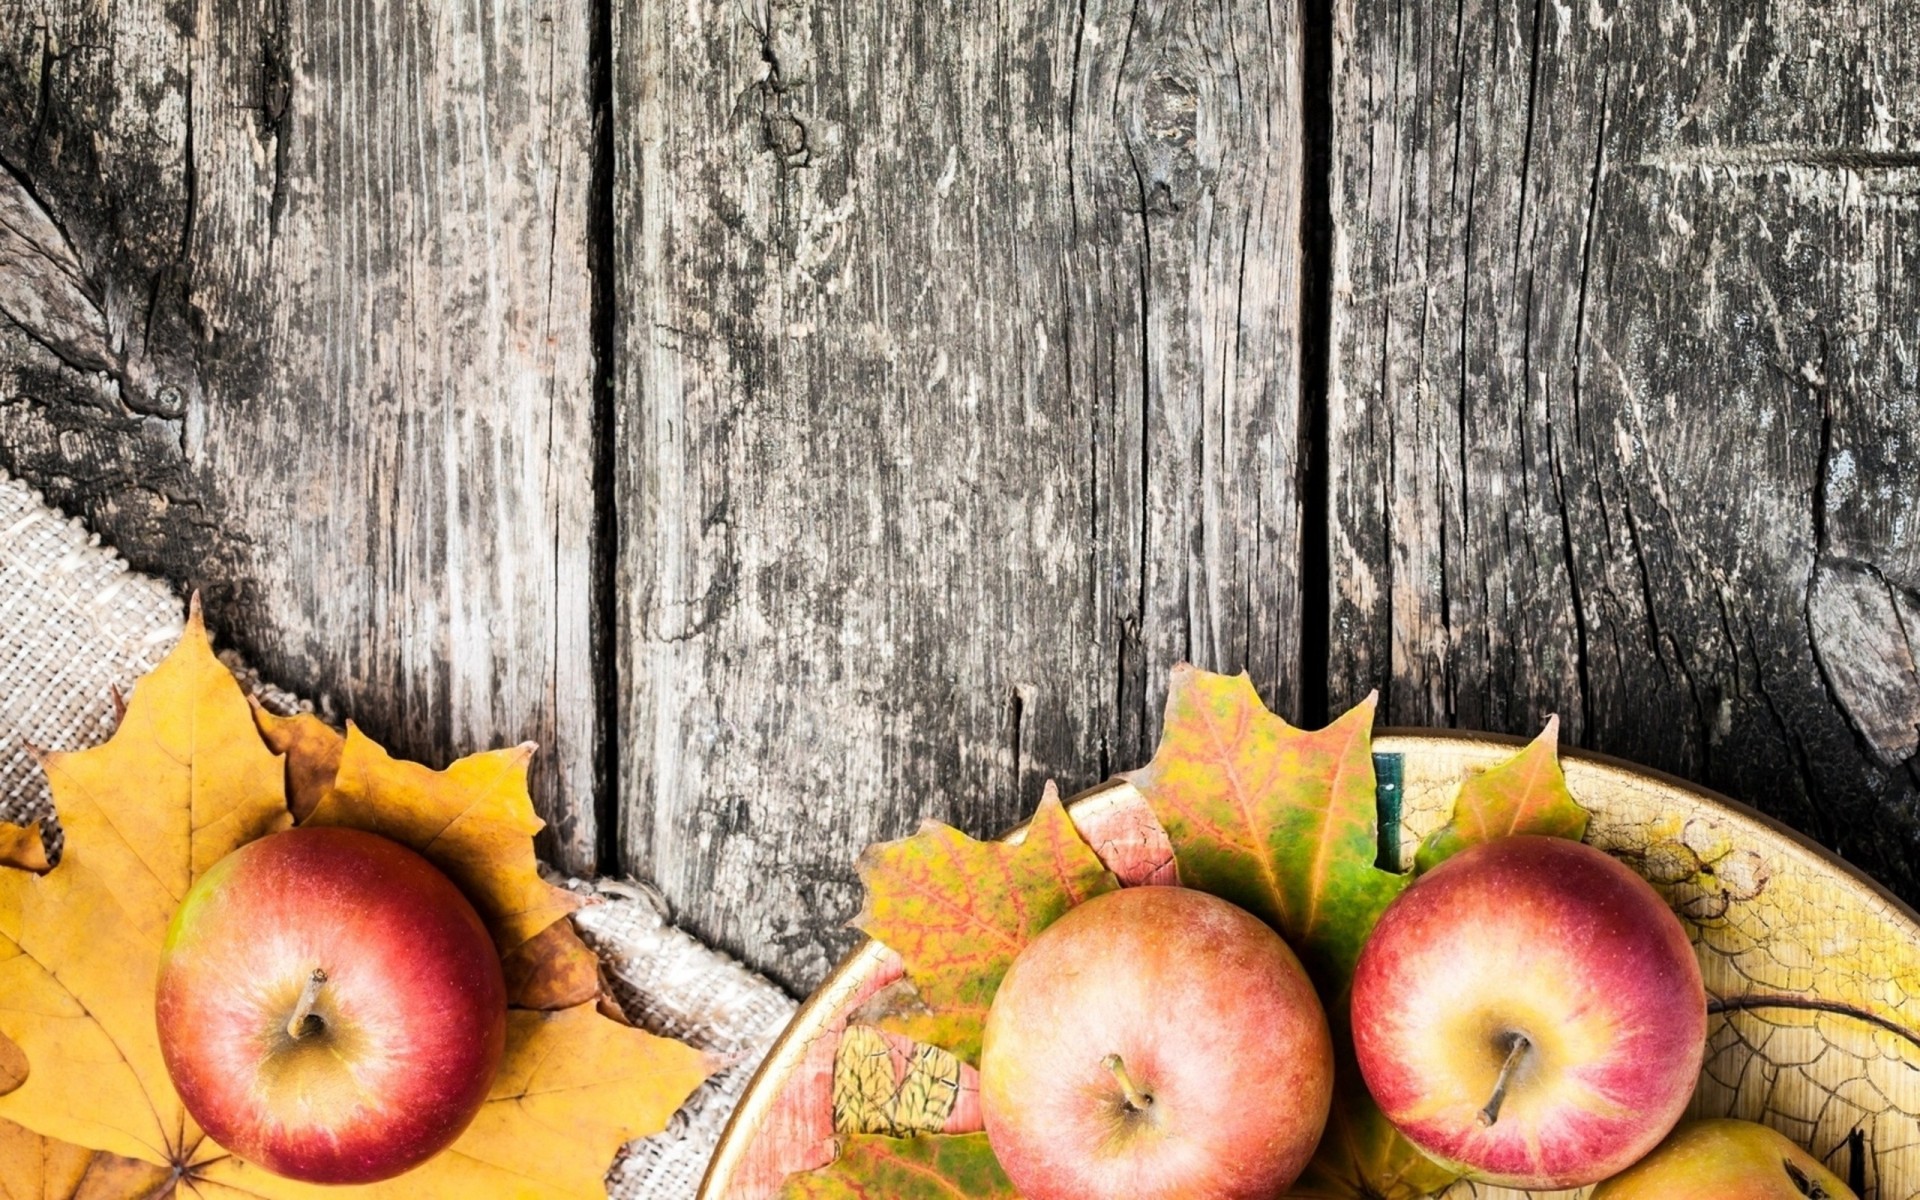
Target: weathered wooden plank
{"x":1623,"y":389}
{"x":321,"y":344}
{"x":956,"y":400}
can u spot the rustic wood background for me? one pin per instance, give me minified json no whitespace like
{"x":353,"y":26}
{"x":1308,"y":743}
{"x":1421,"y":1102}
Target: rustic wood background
{"x":806,"y":417}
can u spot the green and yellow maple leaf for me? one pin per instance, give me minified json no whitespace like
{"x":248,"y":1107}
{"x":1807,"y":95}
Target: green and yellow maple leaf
{"x":928,"y":1167}
{"x":1281,"y":821}
{"x":1525,"y":794}
{"x":1363,"y":1157}
{"x":957,"y":911}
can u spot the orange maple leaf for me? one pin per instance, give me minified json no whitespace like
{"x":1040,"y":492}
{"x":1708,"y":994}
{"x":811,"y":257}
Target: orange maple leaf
{"x":187,"y":779}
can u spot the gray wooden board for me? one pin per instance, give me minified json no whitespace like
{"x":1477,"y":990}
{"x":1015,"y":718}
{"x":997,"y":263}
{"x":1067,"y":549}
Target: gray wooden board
{"x":1622,"y":389}
{"x":296,"y":311}
{"x":957,"y":401}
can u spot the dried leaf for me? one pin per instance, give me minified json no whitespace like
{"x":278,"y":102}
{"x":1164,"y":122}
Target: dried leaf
{"x":957,"y":911}
{"x":21,"y":846}
{"x":182,"y":782}
{"x":929,"y":1167}
{"x":1525,"y":794}
{"x":13,"y":1065}
{"x":879,"y":1087}
{"x":473,"y":820}
{"x":312,"y":749}
{"x":37,"y":1168}
{"x":1281,"y":821}
{"x":552,"y":969}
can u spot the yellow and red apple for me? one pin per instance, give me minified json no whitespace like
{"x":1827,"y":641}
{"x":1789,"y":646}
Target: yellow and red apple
{"x":1726,"y":1160}
{"x":1531,"y":1012}
{"x":330,"y":1006}
{"x":1155,"y":1043}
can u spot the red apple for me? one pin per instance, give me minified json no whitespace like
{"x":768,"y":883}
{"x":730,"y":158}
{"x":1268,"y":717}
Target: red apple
{"x":1155,"y":1043}
{"x":1726,"y":1160}
{"x":1531,"y":1012}
{"x":330,"y":1006}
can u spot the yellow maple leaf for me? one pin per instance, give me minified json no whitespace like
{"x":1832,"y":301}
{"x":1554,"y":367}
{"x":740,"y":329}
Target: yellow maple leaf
{"x":21,"y":846}
{"x":183,"y":782}
{"x":37,"y":1168}
{"x":475,"y":821}
{"x":572,"y":1089}
{"x":187,"y":779}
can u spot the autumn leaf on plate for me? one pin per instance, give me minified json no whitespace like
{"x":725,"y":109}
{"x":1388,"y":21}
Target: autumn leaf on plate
{"x":1281,"y":821}
{"x":185,"y":780}
{"x":957,"y":911}
{"x":916,"y":1168}
{"x":1363,"y":1157}
{"x":1284,"y":822}
{"x":1525,"y":794}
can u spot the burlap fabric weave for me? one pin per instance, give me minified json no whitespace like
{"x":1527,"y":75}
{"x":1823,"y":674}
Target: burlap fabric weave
{"x":76,"y":626}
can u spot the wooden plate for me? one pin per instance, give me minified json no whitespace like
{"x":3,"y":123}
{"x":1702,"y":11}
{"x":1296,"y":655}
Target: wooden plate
{"x":1813,"y":971}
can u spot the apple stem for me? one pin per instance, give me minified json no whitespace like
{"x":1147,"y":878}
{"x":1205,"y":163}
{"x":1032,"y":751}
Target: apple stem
{"x":1515,"y":1053}
{"x":297,"y":1026}
{"x":1137,"y":1100}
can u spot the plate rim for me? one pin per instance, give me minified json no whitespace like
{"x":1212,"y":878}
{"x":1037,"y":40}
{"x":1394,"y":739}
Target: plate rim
{"x":789,"y":1047}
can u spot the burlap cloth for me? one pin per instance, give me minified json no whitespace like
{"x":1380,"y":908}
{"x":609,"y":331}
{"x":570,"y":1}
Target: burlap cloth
{"x":76,"y":625}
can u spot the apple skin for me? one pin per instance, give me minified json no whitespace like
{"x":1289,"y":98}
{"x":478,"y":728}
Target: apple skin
{"x":1726,"y":1160}
{"x":1553,"y":940}
{"x":412,"y":1013}
{"x":1211,"y":1016}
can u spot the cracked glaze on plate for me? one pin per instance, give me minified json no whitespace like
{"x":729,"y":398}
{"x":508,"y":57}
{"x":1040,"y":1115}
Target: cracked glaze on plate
{"x":1812,"y":969}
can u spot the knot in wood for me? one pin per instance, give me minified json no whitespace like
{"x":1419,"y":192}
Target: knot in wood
{"x":1163,"y":134}
{"x":786,"y":136}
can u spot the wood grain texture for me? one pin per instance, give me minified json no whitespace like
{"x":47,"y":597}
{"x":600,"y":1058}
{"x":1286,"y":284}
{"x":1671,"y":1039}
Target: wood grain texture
{"x":1622,"y":389}
{"x":296,"y":300}
{"x":958,"y":362}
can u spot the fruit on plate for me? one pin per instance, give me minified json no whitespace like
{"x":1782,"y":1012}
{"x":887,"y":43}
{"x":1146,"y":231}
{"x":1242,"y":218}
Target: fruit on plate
{"x":1155,"y":1043}
{"x":1726,"y":1160}
{"x":1530,"y":1011}
{"x":330,"y":1006}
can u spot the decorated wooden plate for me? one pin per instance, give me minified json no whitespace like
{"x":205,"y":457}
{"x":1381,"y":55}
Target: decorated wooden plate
{"x":1812,"y":972}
